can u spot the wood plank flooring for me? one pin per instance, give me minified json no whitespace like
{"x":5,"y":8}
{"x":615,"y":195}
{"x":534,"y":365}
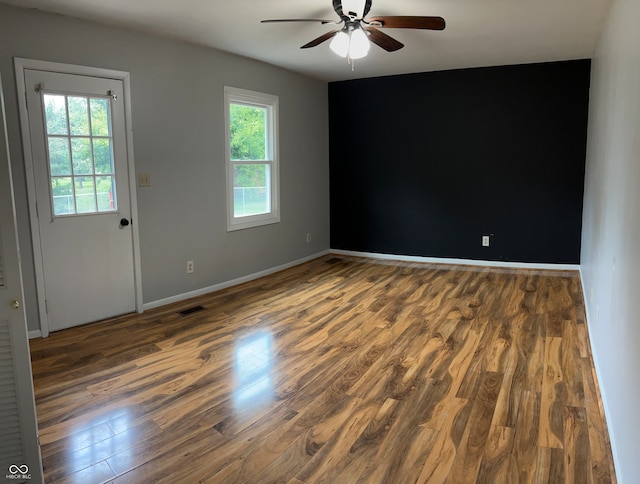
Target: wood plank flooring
{"x":340,"y":370}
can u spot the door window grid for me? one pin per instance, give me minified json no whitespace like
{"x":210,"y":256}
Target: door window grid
{"x":80,"y":154}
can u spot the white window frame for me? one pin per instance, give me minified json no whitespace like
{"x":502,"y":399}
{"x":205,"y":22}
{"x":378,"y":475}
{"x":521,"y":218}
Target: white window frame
{"x":234,"y":95}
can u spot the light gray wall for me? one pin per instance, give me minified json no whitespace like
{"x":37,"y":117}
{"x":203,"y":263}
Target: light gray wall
{"x":178,"y":122}
{"x":611,"y":230}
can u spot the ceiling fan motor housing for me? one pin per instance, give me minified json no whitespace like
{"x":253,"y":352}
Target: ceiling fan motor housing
{"x":337,"y":6}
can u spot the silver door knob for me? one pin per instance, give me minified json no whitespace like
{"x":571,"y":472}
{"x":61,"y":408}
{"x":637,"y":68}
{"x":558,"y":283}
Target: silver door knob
{"x":15,"y":304}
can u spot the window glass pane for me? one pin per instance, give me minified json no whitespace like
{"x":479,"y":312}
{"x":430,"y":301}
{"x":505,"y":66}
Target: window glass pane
{"x":251,"y":190}
{"x":85,"y":194}
{"x":62,"y":196}
{"x":105,"y":193}
{"x":59,"y":157}
{"x":80,"y":147}
{"x":102,"y":156}
{"x":78,"y":115}
{"x":247,"y":129}
{"x":55,"y":110}
{"x":100,"y":125}
{"x":81,"y":155}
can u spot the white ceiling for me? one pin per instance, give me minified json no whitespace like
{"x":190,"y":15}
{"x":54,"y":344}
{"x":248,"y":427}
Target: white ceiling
{"x":478,"y":32}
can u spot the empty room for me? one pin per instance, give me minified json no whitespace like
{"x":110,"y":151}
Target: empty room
{"x":344,"y":241}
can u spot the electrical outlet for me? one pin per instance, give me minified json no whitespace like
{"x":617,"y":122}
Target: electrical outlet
{"x":485,"y":241}
{"x":144,"y":180}
{"x":189,"y":267}
{"x":308,"y":238}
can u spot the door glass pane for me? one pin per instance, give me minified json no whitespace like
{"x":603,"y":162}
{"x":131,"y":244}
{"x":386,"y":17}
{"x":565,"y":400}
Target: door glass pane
{"x":102,"y":156}
{"x":85,"y":194}
{"x":105,"y":193}
{"x":55,"y":109}
{"x":59,"y":158}
{"x":63,"y":200}
{"x":81,"y":154}
{"x":247,"y":129}
{"x":251,"y":189}
{"x":100,"y":122}
{"x":80,"y":148}
{"x":78,"y":116}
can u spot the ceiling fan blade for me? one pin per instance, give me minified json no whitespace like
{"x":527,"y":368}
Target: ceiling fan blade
{"x":383,"y":40}
{"x":320,"y":40}
{"x":409,"y":22}
{"x":282,"y":20}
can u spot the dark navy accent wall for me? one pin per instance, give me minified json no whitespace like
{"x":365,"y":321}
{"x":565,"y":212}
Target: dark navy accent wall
{"x":425,"y":164}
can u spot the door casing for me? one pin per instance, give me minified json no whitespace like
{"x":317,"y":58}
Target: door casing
{"x":20,"y":65}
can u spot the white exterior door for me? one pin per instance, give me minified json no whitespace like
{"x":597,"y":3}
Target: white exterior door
{"x":19,"y":450}
{"x":80,"y":166}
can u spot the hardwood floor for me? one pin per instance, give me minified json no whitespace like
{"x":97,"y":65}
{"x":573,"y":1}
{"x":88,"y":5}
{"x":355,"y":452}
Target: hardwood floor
{"x":341,"y":370}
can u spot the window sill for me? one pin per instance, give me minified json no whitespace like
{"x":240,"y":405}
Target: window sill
{"x":249,"y":222}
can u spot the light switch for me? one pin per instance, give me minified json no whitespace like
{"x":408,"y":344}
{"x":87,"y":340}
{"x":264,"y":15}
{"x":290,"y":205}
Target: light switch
{"x":144,"y":180}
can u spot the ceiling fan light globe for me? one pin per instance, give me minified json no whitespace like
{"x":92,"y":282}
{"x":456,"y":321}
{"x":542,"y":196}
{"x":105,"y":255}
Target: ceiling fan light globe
{"x":340,"y":44}
{"x":359,"y":45}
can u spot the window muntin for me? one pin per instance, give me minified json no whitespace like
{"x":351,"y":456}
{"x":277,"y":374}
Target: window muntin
{"x":80,"y":154}
{"x":252,"y":158}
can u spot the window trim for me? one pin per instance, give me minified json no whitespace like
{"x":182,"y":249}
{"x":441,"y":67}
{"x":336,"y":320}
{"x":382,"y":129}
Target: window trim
{"x":233,"y":95}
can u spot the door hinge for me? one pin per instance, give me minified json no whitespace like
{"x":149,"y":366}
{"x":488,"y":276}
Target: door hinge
{"x":46,"y":306}
{"x":26,"y":101}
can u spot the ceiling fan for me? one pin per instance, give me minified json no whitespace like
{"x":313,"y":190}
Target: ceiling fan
{"x":353,"y":39}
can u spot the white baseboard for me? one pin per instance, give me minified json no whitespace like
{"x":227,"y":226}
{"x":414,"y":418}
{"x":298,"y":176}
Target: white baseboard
{"x":35,"y":334}
{"x":603,"y":395}
{"x":233,"y":282}
{"x":466,"y":262}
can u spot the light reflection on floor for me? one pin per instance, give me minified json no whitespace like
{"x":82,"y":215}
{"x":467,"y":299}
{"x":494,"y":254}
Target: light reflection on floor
{"x":99,"y":440}
{"x":108,"y":446}
{"x":253,"y":367}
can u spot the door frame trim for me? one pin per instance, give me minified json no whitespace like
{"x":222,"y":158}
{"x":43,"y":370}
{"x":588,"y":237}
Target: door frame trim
{"x":20,"y":65}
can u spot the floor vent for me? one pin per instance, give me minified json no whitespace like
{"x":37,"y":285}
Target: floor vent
{"x":191,"y":310}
